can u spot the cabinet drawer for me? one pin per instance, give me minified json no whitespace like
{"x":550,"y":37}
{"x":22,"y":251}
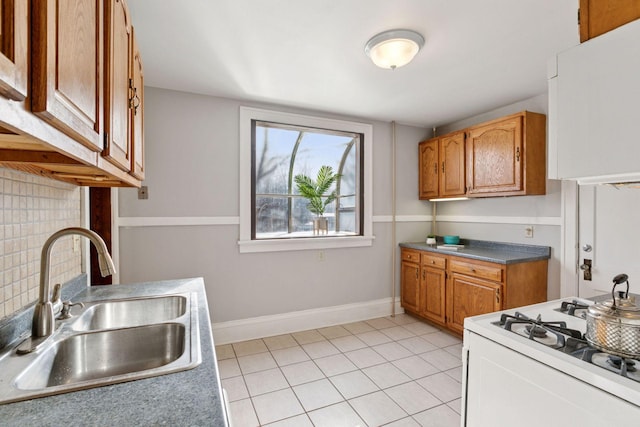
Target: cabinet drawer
{"x":434,"y":261}
{"x":410,"y":255}
{"x":477,"y":270}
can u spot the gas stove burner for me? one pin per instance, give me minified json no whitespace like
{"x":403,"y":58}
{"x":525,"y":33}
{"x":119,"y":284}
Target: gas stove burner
{"x":619,"y":365}
{"x":617,"y":361}
{"x":536,"y":331}
{"x":574,"y":308}
{"x":552,"y":334}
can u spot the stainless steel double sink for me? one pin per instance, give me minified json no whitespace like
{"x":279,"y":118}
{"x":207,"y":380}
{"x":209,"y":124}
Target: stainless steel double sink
{"x":107,"y":342}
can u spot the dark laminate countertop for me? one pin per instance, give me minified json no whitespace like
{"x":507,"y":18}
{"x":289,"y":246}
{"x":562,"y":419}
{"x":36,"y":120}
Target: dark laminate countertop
{"x":498,"y":252}
{"x":188,"y":398}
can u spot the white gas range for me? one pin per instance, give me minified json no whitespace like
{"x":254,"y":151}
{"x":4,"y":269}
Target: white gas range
{"x":517,"y":373}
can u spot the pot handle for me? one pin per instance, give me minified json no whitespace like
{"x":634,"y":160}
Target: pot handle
{"x":620,"y":278}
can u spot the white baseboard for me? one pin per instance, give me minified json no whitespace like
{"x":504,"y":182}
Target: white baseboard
{"x":278,"y":324}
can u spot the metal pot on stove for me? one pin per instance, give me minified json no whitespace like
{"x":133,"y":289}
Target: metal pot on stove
{"x":613,"y":326}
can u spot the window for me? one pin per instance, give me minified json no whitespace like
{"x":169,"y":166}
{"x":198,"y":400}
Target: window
{"x":276,"y":148}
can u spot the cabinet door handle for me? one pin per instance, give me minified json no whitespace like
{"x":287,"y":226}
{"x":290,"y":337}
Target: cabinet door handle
{"x":424,"y":275}
{"x":517,"y":154}
{"x":417,"y":274}
{"x":442,"y":167}
{"x":498,"y":296}
{"x":435,"y":168}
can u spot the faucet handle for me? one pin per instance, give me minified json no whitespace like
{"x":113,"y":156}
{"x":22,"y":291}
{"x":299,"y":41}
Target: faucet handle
{"x":66,"y":308}
{"x":55,"y":298}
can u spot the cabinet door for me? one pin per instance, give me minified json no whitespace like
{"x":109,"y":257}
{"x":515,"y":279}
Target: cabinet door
{"x":410,"y":284}
{"x":600,"y":16}
{"x":118,"y":55}
{"x":494,"y":154}
{"x":452,"y":181}
{"x":137,"y":114}
{"x":470,"y":296}
{"x":432,"y":302}
{"x":13,"y":49}
{"x":428,"y":167}
{"x":66,"y":71}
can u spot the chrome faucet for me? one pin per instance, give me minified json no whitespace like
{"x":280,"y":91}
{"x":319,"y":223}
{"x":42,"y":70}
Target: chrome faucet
{"x":43,"y":315}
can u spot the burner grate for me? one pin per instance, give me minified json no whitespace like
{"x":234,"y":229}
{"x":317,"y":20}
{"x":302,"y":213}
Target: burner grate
{"x":537,"y":329}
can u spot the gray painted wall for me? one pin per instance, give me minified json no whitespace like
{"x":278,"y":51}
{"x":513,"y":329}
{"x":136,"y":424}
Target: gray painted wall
{"x":192,"y":161}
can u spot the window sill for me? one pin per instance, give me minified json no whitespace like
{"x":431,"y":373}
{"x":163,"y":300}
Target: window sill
{"x":300,"y":244}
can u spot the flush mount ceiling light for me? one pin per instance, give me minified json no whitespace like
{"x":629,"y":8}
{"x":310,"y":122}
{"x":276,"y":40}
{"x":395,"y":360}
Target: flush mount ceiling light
{"x":394,"y":48}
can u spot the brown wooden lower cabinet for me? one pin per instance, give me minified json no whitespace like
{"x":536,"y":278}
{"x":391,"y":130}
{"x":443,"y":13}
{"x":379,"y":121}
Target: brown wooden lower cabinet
{"x":445,"y":289}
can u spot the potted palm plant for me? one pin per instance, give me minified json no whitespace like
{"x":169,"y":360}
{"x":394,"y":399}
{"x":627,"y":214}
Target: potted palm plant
{"x":314,"y":191}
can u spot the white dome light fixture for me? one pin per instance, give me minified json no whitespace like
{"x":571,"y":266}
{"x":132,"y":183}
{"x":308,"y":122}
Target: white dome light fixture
{"x":394,"y":48}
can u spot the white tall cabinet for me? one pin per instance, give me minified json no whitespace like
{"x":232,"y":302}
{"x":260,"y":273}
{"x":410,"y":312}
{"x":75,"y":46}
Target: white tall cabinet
{"x":594,"y":108}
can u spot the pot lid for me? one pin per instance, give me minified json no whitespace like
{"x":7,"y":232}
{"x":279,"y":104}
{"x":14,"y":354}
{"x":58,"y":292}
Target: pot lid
{"x":622,"y":306}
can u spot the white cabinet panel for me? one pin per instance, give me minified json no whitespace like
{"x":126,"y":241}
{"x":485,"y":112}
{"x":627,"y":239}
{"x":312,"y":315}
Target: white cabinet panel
{"x":598,"y":105}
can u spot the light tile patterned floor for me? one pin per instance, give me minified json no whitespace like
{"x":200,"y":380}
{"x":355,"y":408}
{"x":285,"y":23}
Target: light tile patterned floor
{"x":388,"y":371}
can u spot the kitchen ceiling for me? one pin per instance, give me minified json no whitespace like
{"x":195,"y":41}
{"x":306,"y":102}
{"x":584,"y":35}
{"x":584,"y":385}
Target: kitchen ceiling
{"x":478,"y":55}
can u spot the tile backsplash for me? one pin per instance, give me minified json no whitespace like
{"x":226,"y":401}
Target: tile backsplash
{"x":32,"y":208}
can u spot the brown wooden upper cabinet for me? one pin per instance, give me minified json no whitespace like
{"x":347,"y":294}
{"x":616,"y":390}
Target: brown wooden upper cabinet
{"x":14,"y":35}
{"x":119,"y":42}
{"x":600,"y":16}
{"x":507,"y":156}
{"x":67,"y":67}
{"x":442,"y":167}
{"x":136,"y":113}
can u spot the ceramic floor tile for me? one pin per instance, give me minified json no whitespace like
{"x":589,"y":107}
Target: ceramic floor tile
{"x":280,"y":341}
{"x":403,"y":319}
{"x":441,"y":359}
{"x":456,"y":350}
{"x":421,"y":328}
{"x":412,"y":398}
{"x":265,"y":381}
{"x":397,"y":333}
{"x":332,"y":332}
{"x":455,"y":405}
{"x":335,"y":365}
{"x":440,"y":416}
{"x":442,"y":386}
{"x":229,"y":368}
{"x":455,"y":373}
{"x":287,"y":356}
{"x":365,"y":357}
{"x":317,"y":394}
{"x":441,"y":339}
{"x":256,"y":362}
{"x":297,"y":421}
{"x":225,"y":352}
{"x":374,"y":337}
{"x":235,"y":388}
{"x":306,"y":337}
{"x":377,"y":409}
{"x":358,"y":327}
{"x":353,"y":384}
{"x":386,"y":375}
{"x":348,"y":343}
{"x":417,"y":345}
{"x":339,"y":415}
{"x":381,"y":323}
{"x":320,"y":349}
{"x":405,"y":422}
{"x":415,"y":367}
{"x":300,"y":373}
{"x":246,"y":348}
{"x":242,"y":413}
{"x":392,"y":351}
{"x":276,"y":406}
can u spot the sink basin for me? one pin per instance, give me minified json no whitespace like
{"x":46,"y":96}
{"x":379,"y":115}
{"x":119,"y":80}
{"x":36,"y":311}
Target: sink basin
{"x":130,"y":312}
{"x":110,"y":341}
{"x":96,"y":355}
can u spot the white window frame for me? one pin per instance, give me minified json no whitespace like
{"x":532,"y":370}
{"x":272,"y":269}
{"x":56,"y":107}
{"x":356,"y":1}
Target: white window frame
{"x":246,"y":244}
